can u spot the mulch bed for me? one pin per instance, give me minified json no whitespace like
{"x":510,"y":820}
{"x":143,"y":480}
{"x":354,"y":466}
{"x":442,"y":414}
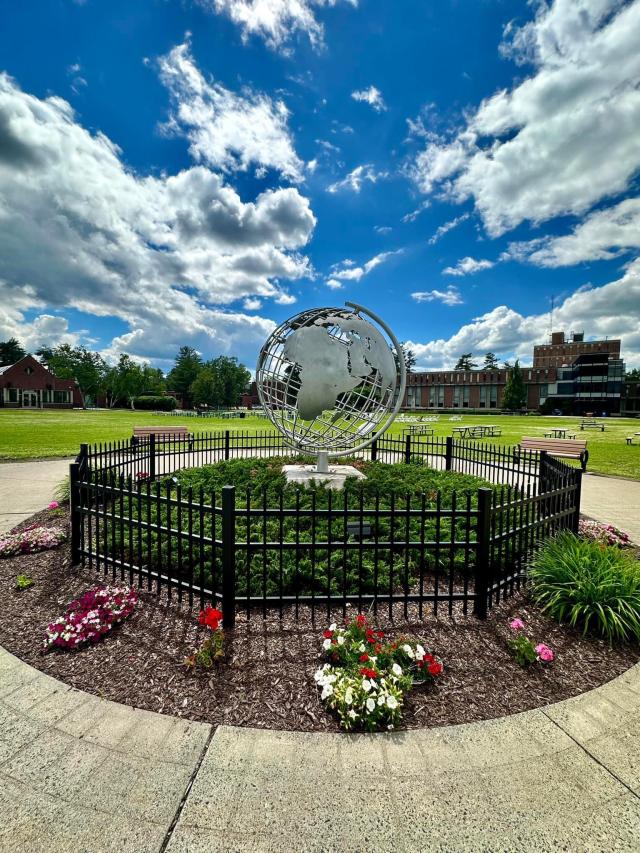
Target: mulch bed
{"x":267,"y":678}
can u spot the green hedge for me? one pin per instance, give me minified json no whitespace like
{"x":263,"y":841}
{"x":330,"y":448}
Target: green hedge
{"x":158,"y":404}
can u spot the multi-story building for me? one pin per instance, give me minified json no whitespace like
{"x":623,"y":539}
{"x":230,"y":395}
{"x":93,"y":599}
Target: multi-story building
{"x":573,"y":376}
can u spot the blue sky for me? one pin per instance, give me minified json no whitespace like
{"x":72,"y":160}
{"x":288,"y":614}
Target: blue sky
{"x":174,"y":171}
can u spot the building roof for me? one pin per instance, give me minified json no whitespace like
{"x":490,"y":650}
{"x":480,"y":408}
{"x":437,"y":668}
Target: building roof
{"x":5,"y":368}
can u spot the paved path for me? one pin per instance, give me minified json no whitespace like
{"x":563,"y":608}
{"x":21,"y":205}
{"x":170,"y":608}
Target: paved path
{"x":78,"y":773}
{"x":613,"y":500}
{"x":26,"y":487}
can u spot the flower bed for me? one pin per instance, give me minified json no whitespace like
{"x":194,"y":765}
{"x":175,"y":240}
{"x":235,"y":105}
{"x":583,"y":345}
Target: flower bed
{"x":31,"y":540}
{"x":90,"y":617}
{"x":606,"y":533}
{"x":365,"y":678}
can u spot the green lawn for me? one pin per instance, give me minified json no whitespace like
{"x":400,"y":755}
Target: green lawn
{"x":39,"y":434}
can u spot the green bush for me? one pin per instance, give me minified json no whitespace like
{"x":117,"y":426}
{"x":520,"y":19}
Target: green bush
{"x":158,"y":404}
{"x":589,"y":585}
{"x":304,"y":567}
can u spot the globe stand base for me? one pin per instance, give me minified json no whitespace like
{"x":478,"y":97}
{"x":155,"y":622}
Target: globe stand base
{"x":333,"y":478}
{"x":322,"y":463}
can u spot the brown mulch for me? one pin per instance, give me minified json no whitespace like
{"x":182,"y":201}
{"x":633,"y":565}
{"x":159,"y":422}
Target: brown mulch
{"x":266,"y":679}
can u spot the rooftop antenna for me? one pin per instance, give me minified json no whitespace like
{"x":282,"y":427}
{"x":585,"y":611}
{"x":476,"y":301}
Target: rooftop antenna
{"x":553,"y":303}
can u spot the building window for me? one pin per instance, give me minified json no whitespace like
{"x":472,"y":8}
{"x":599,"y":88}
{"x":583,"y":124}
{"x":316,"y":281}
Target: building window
{"x":62,"y":396}
{"x":28,"y":370}
{"x":13,"y":395}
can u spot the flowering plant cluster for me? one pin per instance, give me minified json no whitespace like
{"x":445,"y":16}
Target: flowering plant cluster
{"x":213,"y":647}
{"x":605,"y":533}
{"x":31,"y":540}
{"x":91,"y":616}
{"x":524,"y":650}
{"x":366,"y":677}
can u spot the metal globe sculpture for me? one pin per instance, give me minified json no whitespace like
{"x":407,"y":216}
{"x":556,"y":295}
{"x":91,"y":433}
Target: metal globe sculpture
{"x":331,"y":381}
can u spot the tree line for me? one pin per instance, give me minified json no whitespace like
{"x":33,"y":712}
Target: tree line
{"x":215,"y":383}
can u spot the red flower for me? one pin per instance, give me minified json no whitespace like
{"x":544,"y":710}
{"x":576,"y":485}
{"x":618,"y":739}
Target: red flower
{"x":327,"y":634}
{"x":377,"y":648}
{"x":368,"y":673}
{"x":435,"y":668}
{"x":364,"y":658}
{"x":361,"y":620}
{"x":419,"y":664}
{"x":429,"y":658}
{"x":380,"y":634}
{"x":210,"y":617}
{"x":370,"y":635}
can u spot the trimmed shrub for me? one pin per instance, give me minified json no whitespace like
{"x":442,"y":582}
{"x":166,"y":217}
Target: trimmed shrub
{"x":158,"y":404}
{"x":589,"y":585}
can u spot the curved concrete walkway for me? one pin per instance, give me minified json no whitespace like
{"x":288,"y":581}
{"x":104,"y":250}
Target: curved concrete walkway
{"x":78,"y":773}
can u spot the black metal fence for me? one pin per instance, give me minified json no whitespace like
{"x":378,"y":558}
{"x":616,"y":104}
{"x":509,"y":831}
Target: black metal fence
{"x":132,"y":520}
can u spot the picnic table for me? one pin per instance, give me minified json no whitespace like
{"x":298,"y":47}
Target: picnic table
{"x":478,"y":431}
{"x":631,"y":437}
{"x":590,"y":423}
{"x":418,"y":429}
{"x":559,"y":432}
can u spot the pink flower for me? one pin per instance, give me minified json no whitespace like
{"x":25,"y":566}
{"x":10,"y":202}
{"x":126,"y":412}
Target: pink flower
{"x":516,"y":625}
{"x":544,"y":652}
{"x":53,"y":505}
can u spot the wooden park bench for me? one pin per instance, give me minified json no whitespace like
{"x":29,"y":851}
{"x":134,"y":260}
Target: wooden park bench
{"x":568,"y":448}
{"x":161,"y":433}
{"x":418,"y":430}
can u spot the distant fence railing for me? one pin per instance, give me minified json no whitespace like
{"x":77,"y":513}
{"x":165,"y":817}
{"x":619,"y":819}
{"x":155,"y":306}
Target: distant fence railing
{"x":132,"y":520}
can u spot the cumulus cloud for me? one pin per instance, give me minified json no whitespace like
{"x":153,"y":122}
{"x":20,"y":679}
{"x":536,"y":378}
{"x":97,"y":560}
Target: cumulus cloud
{"x":347,"y":271}
{"x":356,"y":178}
{"x":164,"y":254}
{"x":226,"y":130}
{"x":276,"y":21}
{"x":446,"y":227}
{"x":468,"y":266}
{"x":612,"y":310}
{"x":371,"y":96}
{"x":602,"y":235}
{"x":559,"y":140}
{"x":450,"y":296}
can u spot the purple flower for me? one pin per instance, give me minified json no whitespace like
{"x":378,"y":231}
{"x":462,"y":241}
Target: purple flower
{"x":544,"y":652}
{"x":516,"y":625}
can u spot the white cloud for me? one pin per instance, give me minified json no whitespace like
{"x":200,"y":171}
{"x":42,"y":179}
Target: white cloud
{"x":334,"y":284}
{"x":446,"y":227}
{"x":382,"y":229}
{"x":468,"y":266}
{"x":164,"y":254}
{"x":559,"y":140}
{"x":355,"y":179}
{"x":371,"y":96}
{"x":450,"y":296}
{"x":252,"y":303}
{"x":414,"y":214}
{"x":602,"y":235}
{"x":612,"y":310}
{"x":348,"y":271}
{"x":225,"y":130}
{"x":276,"y":21}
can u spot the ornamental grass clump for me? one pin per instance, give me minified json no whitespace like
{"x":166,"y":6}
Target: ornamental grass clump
{"x":589,"y":585}
{"x":366,"y":678}
{"x":31,"y":540}
{"x":90,"y":617}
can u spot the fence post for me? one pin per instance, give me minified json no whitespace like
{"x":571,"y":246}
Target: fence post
{"x":374,"y":450}
{"x":577,"y":497}
{"x":229,"y":556}
{"x":483,"y":553}
{"x":448,"y":453}
{"x":75,"y":503}
{"x":226,"y":444}
{"x":152,"y":456}
{"x":407,"y":448}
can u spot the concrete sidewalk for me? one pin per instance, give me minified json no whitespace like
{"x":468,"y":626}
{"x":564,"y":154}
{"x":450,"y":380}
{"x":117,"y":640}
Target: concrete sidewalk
{"x":81,"y":773}
{"x":27,"y":487}
{"x":613,"y":500}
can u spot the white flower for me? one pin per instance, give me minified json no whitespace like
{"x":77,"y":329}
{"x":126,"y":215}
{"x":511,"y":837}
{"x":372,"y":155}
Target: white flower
{"x":341,"y":640}
{"x":326,"y":645}
{"x":366,"y":685}
{"x":318,"y":675}
{"x":348,"y":695}
{"x":392,"y":702}
{"x":333,"y":626}
{"x":327,"y":690}
{"x":380,"y":700}
{"x":371,"y":705}
{"x":361,"y":648}
{"x":420,"y":652}
{"x":352,"y":714}
{"x":408,"y":650}
{"x":372,"y":659}
{"x":396,"y":670}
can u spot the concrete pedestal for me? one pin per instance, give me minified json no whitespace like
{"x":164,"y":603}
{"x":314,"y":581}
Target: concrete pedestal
{"x":334,"y":478}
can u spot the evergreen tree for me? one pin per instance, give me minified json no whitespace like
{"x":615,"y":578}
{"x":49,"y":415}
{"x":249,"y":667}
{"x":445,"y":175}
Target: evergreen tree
{"x":515,"y":391}
{"x":490,"y":362}
{"x":186,"y":368}
{"x":465,"y":362}
{"x":206,"y":389}
{"x":409,"y":358}
{"x":11,"y":351}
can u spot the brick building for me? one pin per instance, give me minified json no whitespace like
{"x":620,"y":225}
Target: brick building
{"x":27,"y":384}
{"x":570,"y":375}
